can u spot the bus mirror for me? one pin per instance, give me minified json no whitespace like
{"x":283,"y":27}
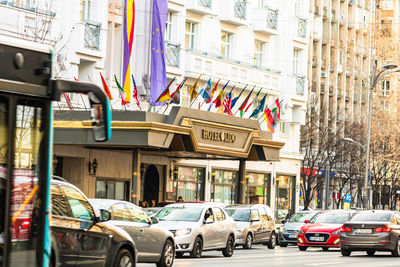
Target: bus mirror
{"x":100,"y":107}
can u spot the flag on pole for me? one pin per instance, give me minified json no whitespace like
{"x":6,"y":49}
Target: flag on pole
{"x":228,"y":103}
{"x":218,"y":100}
{"x":165,"y":94}
{"x":68,"y":100}
{"x":135,"y":93}
{"x":129,"y":26}
{"x":237,"y":98}
{"x":259,"y":108}
{"x":158,"y":75}
{"x":276,"y":109}
{"x":205,"y":92}
{"x":192,"y":92}
{"x":253,"y":100}
{"x":269,"y":120}
{"x":105,"y":87}
{"x":175,"y":96}
{"x":243,"y":106}
{"x":213,"y":91}
{"x":121,"y":92}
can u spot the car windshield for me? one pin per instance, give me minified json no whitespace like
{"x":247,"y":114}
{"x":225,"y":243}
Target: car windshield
{"x":187,"y":214}
{"x":372,"y":216}
{"x":239,"y":215}
{"x":301,"y":216}
{"x":330,"y":217}
{"x":150,"y":211}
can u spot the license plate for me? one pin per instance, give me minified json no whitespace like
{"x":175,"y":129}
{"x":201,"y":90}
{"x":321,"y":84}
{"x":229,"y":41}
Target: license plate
{"x":293,"y":236}
{"x":363,"y":231}
{"x":317,"y":238}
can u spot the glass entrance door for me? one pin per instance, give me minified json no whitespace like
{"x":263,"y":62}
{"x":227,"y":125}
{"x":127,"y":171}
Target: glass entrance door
{"x":24,"y":150}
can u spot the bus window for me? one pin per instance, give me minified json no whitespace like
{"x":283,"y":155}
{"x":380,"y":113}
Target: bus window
{"x":3,"y":167}
{"x":25,"y":200}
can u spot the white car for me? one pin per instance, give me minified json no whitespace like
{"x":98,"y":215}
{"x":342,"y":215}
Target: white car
{"x":199,"y":227}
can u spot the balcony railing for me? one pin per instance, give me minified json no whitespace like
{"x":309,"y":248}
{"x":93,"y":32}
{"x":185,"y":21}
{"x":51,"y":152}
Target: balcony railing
{"x":20,"y":5}
{"x":300,"y":85}
{"x":172,"y":54}
{"x":205,"y":3}
{"x":272,"y":19}
{"x":240,"y":9}
{"x":92,"y":35}
{"x":301,"y":28}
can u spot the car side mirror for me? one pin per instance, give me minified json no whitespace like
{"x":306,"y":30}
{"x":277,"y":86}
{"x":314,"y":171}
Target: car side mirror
{"x":283,"y":221}
{"x":208,"y":221}
{"x":105,"y":215}
{"x":306,"y":221}
{"x":154,"y":220}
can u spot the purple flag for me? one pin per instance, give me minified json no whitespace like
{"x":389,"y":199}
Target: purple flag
{"x":158,"y":75}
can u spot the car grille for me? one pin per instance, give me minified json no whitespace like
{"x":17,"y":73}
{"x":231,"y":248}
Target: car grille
{"x":291,"y":231}
{"x":324,"y":235}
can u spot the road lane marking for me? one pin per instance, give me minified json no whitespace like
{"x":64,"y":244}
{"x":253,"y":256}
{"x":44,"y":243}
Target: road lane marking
{"x":324,"y":263}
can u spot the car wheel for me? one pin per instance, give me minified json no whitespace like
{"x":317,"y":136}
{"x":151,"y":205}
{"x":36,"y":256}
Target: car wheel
{"x":197,"y":248}
{"x":230,"y":247}
{"x":249,"y":241}
{"x":396,"y":251}
{"x":345,"y":252}
{"x":303,"y":248}
{"x":272,"y":241}
{"x":370,"y":252}
{"x":124,"y":259}
{"x":325,"y":248}
{"x":168,"y":255}
{"x":179,"y":254}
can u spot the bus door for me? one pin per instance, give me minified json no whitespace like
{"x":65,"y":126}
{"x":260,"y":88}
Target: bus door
{"x":26,"y":94}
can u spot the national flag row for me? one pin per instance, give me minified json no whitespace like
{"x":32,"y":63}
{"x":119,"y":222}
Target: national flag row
{"x":209,"y":94}
{"x":125,"y":100}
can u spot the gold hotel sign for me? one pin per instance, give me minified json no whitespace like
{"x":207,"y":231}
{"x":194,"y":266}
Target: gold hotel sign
{"x":220,"y":139}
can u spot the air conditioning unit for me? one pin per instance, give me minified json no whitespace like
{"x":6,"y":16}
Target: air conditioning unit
{"x":324,"y":75}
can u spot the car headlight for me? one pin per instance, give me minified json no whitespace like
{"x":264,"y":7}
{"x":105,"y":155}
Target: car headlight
{"x":183,"y":232}
{"x":281,"y":229}
{"x":336,"y":232}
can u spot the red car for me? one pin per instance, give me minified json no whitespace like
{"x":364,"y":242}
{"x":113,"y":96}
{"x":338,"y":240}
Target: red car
{"x":322,"y":230}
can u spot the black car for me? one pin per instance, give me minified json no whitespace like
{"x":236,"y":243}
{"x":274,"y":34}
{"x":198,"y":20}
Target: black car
{"x":82,"y":237}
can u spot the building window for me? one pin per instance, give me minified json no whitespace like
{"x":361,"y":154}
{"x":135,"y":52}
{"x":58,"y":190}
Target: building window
{"x":168,"y":27}
{"x":226,"y":44}
{"x":223,"y":187}
{"x":258,"y":188}
{"x":259,"y":48}
{"x":296,"y":61}
{"x":387,"y":4}
{"x":112,"y":189}
{"x":297,"y":8}
{"x":86,"y":9}
{"x":190,"y":35}
{"x":284,"y":127}
{"x":284,"y":203}
{"x":386,"y":88}
{"x":385,"y":104}
{"x":190,"y":184}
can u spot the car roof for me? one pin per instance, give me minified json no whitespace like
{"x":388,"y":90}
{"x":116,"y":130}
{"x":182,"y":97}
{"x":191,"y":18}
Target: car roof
{"x":107,"y":203}
{"x":242,"y":206}
{"x":196,"y":204}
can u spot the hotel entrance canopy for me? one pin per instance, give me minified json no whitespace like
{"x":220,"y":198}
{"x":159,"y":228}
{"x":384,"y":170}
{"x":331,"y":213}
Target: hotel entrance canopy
{"x":183,"y":133}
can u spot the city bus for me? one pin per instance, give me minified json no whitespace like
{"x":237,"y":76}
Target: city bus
{"x":27,"y":90}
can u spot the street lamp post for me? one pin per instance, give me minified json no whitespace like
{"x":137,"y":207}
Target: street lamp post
{"x":374,"y":80}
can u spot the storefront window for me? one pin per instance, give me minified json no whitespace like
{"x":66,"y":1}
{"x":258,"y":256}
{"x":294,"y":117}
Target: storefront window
{"x":112,"y":189}
{"x":223,"y":188}
{"x":284,"y":197}
{"x":190,"y":183}
{"x":258,"y":188}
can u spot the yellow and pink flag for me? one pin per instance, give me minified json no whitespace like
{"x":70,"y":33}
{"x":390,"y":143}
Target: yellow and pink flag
{"x":129,"y":26}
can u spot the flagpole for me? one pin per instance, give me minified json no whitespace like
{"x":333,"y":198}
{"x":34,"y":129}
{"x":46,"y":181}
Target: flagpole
{"x":244,"y":100}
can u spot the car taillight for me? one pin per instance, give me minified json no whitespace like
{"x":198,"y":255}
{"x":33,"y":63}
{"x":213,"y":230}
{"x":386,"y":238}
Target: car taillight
{"x":345,"y":229}
{"x":383,"y":229}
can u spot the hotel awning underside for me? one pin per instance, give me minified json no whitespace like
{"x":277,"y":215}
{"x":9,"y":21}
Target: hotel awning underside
{"x":183,"y":133}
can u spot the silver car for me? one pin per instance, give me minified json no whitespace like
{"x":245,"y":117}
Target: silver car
{"x":288,"y":231}
{"x":154,"y":245}
{"x":254,"y":224}
{"x":199,"y":227}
